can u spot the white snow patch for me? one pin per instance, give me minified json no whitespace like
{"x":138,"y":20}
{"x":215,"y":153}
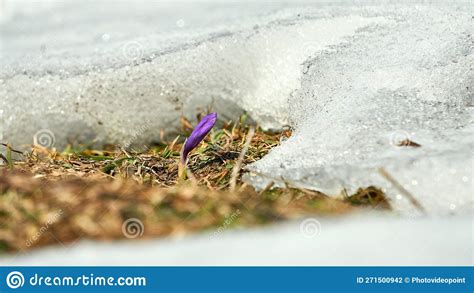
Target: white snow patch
{"x":351,"y":241}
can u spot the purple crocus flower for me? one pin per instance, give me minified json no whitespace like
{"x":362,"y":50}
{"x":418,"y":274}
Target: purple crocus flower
{"x":198,"y":134}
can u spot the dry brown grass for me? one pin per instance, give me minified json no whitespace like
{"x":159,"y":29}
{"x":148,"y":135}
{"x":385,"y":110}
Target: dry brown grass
{"x":50,"y":197}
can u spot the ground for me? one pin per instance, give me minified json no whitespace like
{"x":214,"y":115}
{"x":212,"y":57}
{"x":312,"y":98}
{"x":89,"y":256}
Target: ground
{"x":49,"y":196}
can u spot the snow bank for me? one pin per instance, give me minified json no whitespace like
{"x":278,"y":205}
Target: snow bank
{"x":362,"y":103}
{"x":122,"y":73}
